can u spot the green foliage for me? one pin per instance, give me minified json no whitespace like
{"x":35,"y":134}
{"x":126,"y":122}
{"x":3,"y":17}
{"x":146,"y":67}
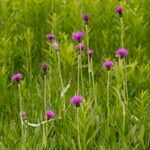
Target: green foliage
{"x":23,"y":47}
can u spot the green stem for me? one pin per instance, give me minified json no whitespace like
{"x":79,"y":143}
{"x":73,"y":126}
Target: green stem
{"x":45,"y":117}
{"x":52,"y":6}
{"x":108,"y":110}
{"x":78,"y":79}
{"x":122,"y":32}
{"x":92,"y":74}
{"x":78,"y":125}
{"x":124,"y":80}
{"x":123,"y":113}
{"x":81,"y":9}
{"x":61,"y":79}
{"x":123,"y":94}
{"x":87,"y":43}
{"x":59,"y":70}
{"x":82,"y":83}
{"x":126,"y":85}
{"x":49,"y":81}
{"x":20,"y":105}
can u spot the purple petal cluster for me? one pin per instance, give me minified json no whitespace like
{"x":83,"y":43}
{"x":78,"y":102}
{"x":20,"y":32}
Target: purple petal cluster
{"x":44,"y":67}
{"x":17,"y":77}
{"x":90,"y":52}
{"x":81,"y":47}
{"x":23,"y":115}
{"x":50,"y":36}
{"x":86,"y":18}
{"x":76,"y":100}
{"x":50,"y":114}
{"x":78,"y":36}
{"x":122,"y":52}
{"x":119,"y":10}
{"x":55,"y":45}
{"x":108,"y":64}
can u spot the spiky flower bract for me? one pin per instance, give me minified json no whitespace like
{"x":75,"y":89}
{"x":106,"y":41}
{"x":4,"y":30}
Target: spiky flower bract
{"x":17,"y":77}
{"x":121,"y":52}
{"x":78,"y":36}
{"x":108,"y":64}
{"x":86,"y":17}
{"x":76,"y":100}
{"x":50,"y":114}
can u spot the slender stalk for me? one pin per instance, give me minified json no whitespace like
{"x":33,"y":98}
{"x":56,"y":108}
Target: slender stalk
{"x":123,"y":112}
{"x":21,"y":120}
{"x":122,"y":32}
{"x":108,"y":109}
{"x":38,"y":124}
{"x":124,"y":79}
{"x":93,"y":82}
{"x":45,"y":117}
{"x":78,"y":78}
{"x":81,"y":9}
{"x":126,"y":85}
{"x":49,"y":80}
{"x":124,"y":115}
{"x":87,"y":42}
{"x":92,"y":74}
{"x":78,"y":125}
{"x":59,"y":70}
{"x":124,"y":71}
{"x":82,"y":83}
{"x":61,"y":79}
{"x":52,"y":6}
{"x":122,"y":93}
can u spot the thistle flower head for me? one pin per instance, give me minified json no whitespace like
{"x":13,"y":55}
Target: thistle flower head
{"x":44,"y":67}
{"x":119,"y":10}
{"x":122,"y":52}
{"x":55,"y":45}
{"x":17,"y":77}
{"x":80,"y":47}
{"x":76,"y":100}
{"x":23,"y":115}
{"x":78,"y":36}
{"x":86,"y":17}
{"x":50,"y":114}
{"x":90,"y":52}
{"x":50,"y":36}
{"x":108,"y":64}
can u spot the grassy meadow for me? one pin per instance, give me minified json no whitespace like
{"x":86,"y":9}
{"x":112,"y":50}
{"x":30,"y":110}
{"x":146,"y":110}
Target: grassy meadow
{"x":115,"y":112}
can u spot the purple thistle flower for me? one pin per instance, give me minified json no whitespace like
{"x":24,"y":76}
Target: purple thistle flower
{"x":119,"y":10}
{"x":76,"y":100}
{"x":122,"y":52}
{"x":17,"y":77}
{"x":23,"y":115}
{"x":44,"y":67}
{"x":50,"y":36}
{"x":90,"y":52}
{"x":50,"y":114}
{"x":78,"y":36}
{"x":55,"y":45}
{"x":81,"y":47}
{"x":108,"y":64}
{"x":86,"y":18}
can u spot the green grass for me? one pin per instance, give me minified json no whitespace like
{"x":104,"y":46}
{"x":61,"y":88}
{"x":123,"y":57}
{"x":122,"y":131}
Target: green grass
{"x":23,"y":47}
